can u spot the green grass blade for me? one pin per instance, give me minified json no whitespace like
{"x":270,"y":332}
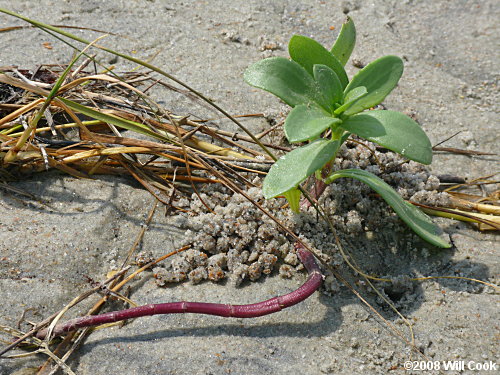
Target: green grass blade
{"x":117,"y":121}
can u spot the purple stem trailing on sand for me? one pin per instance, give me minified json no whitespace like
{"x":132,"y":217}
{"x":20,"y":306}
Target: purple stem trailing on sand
{"x":270,"y":306}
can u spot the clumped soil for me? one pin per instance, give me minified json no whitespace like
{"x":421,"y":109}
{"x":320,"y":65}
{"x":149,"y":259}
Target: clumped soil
{"x":237,"y":241}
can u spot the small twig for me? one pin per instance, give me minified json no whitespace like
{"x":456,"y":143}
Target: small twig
{"x":45,"y":349}
{"x":23,"y":317}
{"x":447,"y":139}
{"x":82,"y":66}
{"x":450,"y":179}
{"x":267,"y":131}
{"x":140,"y":235}
{"x":465,"y":204}
{"x":64,"y":358}
{"x":462,"y":151}
{"x":58,"y":351}
{"x":233,"y":135}
{"x":476,"y":182}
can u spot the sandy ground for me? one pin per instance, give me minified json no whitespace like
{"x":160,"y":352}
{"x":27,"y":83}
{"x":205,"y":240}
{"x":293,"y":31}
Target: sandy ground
{"x":451,"y":58}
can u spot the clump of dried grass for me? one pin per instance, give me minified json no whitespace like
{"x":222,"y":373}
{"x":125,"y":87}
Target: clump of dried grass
{"x":104,"y":123}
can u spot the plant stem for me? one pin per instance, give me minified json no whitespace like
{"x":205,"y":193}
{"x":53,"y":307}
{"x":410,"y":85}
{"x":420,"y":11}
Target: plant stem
{"x":319,"y":184}
{"x":315,"y":192}
{"x":269,"y":306}
{"x":337,"y":133}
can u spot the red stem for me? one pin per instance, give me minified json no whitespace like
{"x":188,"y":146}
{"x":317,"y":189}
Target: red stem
{"x":319,"y":186}
{"x":270,"y":306}
{"x":316,"y":191}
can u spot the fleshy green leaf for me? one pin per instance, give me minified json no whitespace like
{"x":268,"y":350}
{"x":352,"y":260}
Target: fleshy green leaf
{"x":308,"y":52}
{"x":345,"y":42}
{"x":329,"y":85}
{"x":392,"y":130}
{"x":293,"y":198}
{"x":307,"y":122}
{"x":351,"y":98}
{"x":419,"y":222}
{"x":355,"y":94}
{"x":284,"y":78}
{"x":293,"y":168}
{"x":379,"y":77}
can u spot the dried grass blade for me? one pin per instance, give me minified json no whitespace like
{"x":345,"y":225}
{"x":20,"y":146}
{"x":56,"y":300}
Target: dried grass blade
{"x":69,"y":125}
{"x":468,"y":205}
{"x":67,"y":169}
{"x":46,"y":28}
{"x":194,"y":142}
{"x":12,"y":153}
{"x":490,"y":222}
{"x":117,"y":121}
{"x":142,"y":179}
{"x":186,"y":159}
{"x":107,"y":151}
{"x":18,"y":112}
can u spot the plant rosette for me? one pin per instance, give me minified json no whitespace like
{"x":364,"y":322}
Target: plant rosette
{"x":327,"y":108}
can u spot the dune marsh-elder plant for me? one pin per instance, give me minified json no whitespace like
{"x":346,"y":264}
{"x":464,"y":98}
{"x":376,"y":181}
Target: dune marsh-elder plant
{"x":327,"y":108}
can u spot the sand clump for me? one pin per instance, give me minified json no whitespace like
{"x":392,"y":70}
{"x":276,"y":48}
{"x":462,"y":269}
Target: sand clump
{"x":238,"y":242}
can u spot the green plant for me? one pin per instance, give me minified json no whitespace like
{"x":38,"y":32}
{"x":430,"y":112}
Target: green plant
{"x":328,"y":108}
